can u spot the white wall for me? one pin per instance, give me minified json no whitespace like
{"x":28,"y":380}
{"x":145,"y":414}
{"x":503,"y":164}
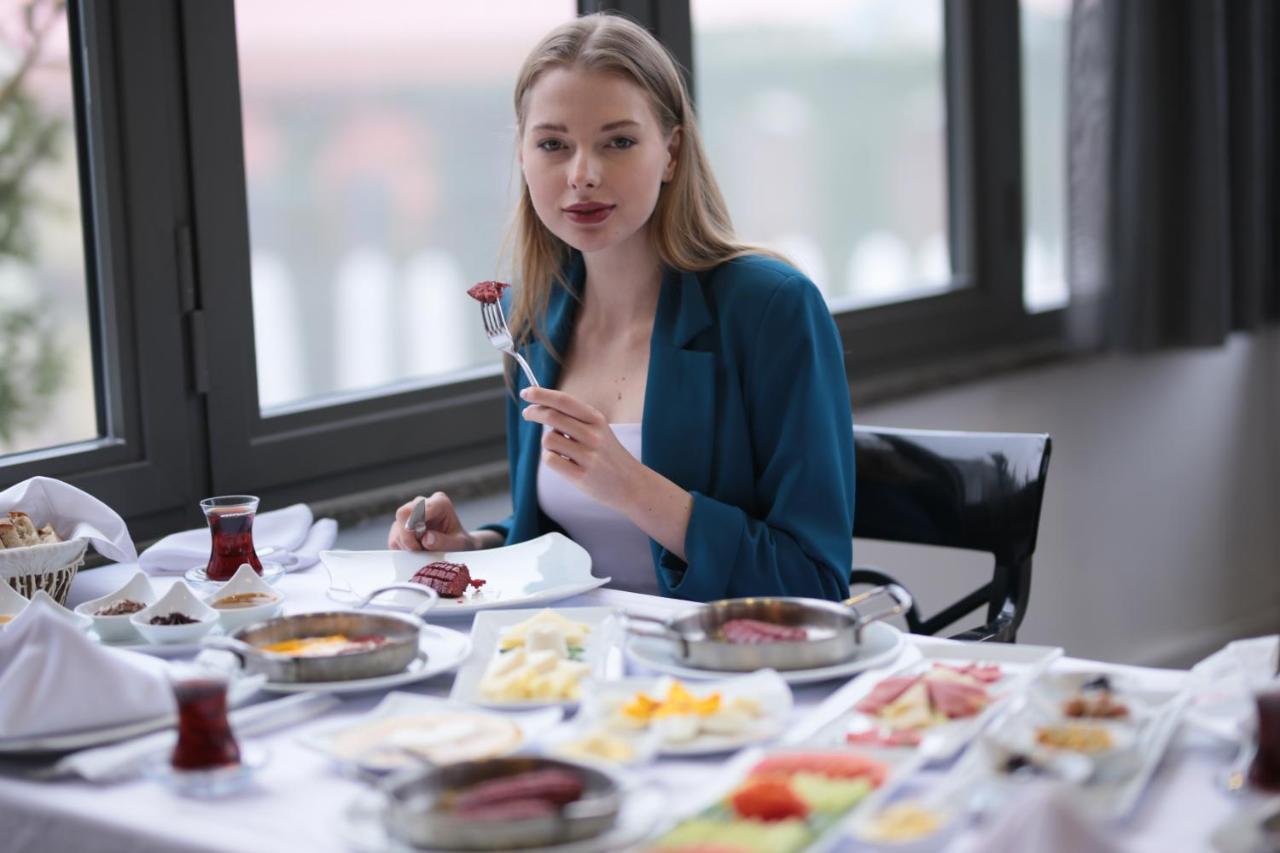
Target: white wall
{"x":1160,"y":535}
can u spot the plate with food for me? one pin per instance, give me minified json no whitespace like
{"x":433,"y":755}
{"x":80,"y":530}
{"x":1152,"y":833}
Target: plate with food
{"x":934,"y":704}
{"x":783,"y":799}
{"x":702,"y":718}
{"x":530,"y":658}
{"x":406,"y":728}
{"x":1105,"y":746}
{"x":539,"y":571}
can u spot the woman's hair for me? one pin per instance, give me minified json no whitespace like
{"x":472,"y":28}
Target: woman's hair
{"x":690,"y":224}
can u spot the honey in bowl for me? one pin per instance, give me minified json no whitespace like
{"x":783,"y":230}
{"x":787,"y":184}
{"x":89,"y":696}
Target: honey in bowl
{"x":6,"y":618}
{"x":238,"y":600}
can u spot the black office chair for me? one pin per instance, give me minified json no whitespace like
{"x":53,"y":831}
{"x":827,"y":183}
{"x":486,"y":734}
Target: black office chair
{"x":978,"y":491}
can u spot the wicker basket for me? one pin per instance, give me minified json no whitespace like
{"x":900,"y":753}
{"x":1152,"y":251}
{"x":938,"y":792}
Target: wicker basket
{"x":49,"y":566}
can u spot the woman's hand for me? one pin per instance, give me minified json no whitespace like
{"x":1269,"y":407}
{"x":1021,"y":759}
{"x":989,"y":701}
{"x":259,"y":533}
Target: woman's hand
{"x":444,"y":530}
{"x":578,"y":444}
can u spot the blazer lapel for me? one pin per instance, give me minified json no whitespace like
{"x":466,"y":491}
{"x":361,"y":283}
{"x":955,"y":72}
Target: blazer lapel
{"x":679,"y":408}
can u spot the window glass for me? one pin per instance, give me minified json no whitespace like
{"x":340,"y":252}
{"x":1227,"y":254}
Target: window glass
{"x":826,"y":125}
{"x":46,"y":354}
{"x":379,"y":156}
{"x":1044,"y":135}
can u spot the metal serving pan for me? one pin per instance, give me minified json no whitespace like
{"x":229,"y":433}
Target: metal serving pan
{"x":834,"y":630}
{"x":415,"y":799}
{"x":397,"y":652}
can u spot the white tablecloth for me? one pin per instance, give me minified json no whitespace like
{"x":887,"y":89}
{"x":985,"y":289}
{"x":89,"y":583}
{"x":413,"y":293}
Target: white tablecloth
{"x":298,"y":801}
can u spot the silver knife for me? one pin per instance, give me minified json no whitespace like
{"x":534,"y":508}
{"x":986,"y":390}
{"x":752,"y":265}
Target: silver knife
{"x":416,"y":523}
{"x":121,"y":761}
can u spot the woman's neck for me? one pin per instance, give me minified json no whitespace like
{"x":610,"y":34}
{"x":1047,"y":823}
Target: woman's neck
{"x":622,"y":287}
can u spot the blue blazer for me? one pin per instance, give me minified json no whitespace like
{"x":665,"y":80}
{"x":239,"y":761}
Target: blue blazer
{"x":747,"y":408}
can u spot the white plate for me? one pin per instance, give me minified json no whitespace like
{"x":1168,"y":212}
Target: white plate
{"x":881,"y":643}
{"x":361,"y":828}
{"x":439,"y":650}
{"x":240,"y":690}
{"x":540,"y":571}
{"x":599,"y":652}
{"x":836,"y":716}
{"x":532,"y":724}
{"x":764,"y":686}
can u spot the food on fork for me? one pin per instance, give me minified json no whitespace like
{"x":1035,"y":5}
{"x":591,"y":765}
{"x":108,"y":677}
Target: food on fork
{"x":450,"y":580}
{"x":487,"y":292}
{"x":754,"y":631}
{"x":18,"y":531}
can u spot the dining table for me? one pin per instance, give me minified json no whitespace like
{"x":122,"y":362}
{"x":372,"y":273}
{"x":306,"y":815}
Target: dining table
{"x":298,"y":799}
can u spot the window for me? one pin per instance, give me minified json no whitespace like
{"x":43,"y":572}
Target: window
{"x":250,"y":248}
{"x":826,"y":122}
{"x":47,"y":395}
{"x":376,"y":150}
{"x":1044,"y":135}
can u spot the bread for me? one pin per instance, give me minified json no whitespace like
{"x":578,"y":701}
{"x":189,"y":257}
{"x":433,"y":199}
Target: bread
{"x":18,"y":531}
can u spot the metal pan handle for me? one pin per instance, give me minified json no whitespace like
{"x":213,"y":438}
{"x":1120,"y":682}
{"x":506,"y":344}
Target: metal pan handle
{"x":419,"y":611}
{"x":239,"y":648}
{"x":899,"y":602}
{"x":665,"y":632}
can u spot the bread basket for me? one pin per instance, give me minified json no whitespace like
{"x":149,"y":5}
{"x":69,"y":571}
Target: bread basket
{"x":50,"y":566}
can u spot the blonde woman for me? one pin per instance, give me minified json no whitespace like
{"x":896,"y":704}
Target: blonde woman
{"x":693,"y":432}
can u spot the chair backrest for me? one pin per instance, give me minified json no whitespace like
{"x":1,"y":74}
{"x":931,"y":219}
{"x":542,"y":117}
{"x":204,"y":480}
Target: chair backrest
{"x":978,"y":491}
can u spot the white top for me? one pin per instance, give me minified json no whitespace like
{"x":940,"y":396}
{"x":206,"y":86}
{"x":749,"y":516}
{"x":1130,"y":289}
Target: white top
{"x":618,"y":548}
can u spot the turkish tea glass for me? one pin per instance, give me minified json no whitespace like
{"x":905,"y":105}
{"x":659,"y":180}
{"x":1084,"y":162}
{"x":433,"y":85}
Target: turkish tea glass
{"x":230,"y":520}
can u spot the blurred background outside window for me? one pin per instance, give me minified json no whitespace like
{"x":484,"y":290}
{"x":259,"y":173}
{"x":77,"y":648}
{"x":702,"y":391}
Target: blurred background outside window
{"x":380,"y":166}
{"x":826,"y":124}
{"x":1044,"y":122}
{"x":47,"y":393}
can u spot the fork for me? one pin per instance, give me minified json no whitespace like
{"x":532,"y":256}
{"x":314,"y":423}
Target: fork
{"x":499,"y":333}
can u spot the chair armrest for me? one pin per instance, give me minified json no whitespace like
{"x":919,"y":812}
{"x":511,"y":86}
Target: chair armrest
{"x":999,"y":631}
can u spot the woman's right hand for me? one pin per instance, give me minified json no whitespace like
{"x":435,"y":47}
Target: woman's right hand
{"x":444,"y":530}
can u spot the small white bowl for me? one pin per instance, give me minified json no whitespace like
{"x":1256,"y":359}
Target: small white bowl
{"x":117,"y":629}
{"x":12,"y":603}
{"x":245,"y":580}
{"x":179,"y":599}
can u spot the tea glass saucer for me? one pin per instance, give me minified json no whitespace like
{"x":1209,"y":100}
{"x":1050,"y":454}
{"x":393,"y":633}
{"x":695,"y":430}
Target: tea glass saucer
{"x":271,"y":572}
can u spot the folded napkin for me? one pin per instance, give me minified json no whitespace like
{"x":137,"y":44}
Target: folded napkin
{"x":74,"y":514}
{"x":1222,"y":685}
{"x":1043,"y":819}
{"x":54,"y":679}
{"x":295,"y":538}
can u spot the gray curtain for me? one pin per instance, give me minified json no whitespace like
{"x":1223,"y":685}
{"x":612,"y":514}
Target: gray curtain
{"x":1172,"y":182}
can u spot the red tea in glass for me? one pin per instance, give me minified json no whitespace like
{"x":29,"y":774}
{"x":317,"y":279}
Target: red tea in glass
{"x":1264,"y":773}
{"x":205,"y":741}
{"x":231,"y":525}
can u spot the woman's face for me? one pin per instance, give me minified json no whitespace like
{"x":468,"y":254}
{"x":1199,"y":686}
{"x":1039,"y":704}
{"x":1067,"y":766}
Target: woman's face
{"x":594,"y":157}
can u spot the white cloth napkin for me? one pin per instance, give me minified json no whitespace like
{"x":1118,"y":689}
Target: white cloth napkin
{"x":73,"y":514}
{"x":54,"y":679}
{"x":1222,"y":685}
{"x":293,"y":534}
{"x":1043,"y":819}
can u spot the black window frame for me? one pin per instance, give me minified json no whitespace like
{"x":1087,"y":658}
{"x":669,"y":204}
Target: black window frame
{"x":160,"y":140}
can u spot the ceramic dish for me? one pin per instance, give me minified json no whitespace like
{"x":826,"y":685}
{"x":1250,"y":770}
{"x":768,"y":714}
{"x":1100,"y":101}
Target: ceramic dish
{"x":838,"y":720}
{"x":599,"y":656}
{"x":703,"y":718}
{"x":245,"y":582}
{"x":439,"y":650}
{"x":271,"y":572}
{"x":179,"y":599}
{"x":404,"y":725}
{"x":118,"y":629}
{"x":881,"y":644}
{"x":539,"y":571}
